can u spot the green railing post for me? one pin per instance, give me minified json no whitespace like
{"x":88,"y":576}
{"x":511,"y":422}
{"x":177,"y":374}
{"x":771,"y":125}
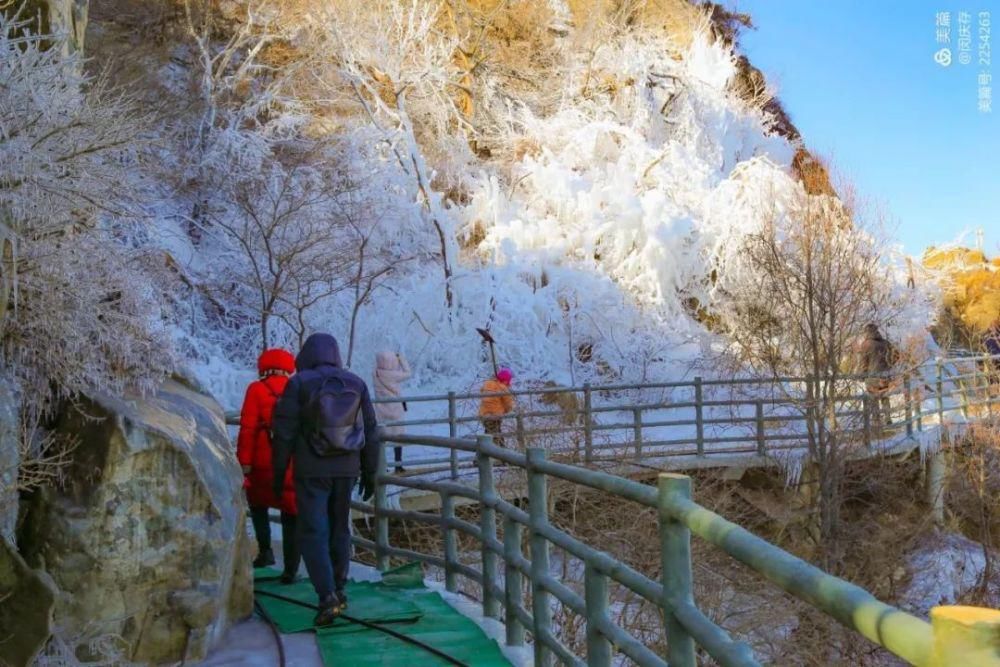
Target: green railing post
{"x":908,"y":403}
{"x":588,"y":423}
{"x":381,"y":520}
{"x":488,"y":527}
{"x":918,"y":406}
{"x":453,"y":432}
{"x":450,"y":542}
{"x":940,"y":393}
{"x":513,"y":591}
{"x":937,"y":474}
{"x":699,"y":417}
{"x":761,"y":437}
{"x":637,"y":431}
{"x":866,"y":417}
{"x":963,"y":393}
{"x":596,"y":598}
{"x":539,"y":517}
{"x":675,"y":552}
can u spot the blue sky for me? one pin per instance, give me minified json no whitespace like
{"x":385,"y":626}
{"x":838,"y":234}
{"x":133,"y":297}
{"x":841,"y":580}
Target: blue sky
{"x":859,"y":80}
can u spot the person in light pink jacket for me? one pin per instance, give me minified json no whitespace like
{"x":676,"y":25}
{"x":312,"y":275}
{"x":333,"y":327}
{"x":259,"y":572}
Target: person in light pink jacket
{"x":391,"y":370}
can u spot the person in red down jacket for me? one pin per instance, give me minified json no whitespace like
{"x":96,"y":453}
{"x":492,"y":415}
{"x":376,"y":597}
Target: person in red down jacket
{"x":253,"y":449}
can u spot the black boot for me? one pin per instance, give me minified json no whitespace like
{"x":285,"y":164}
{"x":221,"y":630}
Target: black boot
{"x":264,"y":558}
{"x":288,"y":578}
{"x":342,"y":596}
{"x":329,"y":610}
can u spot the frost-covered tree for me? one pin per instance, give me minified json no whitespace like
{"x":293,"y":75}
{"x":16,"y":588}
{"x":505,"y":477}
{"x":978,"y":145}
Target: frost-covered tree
{"x":390,"y":62}
{"x":74,"y":313}
{"x":286,"y":243}
{"x":795,"y":304}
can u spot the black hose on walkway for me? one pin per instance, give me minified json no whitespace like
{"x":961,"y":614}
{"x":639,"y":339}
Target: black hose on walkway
{"x":372,"y":626}
{"x":274,"y":630}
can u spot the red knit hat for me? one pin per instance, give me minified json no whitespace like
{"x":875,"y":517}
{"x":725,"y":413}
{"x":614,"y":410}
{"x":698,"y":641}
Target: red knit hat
{"x":276,"y":359}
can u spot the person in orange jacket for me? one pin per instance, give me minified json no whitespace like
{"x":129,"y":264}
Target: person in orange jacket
{"x":253,"y":449}
{"x":493,"y":408}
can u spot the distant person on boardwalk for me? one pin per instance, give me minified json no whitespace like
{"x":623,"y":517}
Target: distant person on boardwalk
{"x":876,"y":358}
{"x":493,"y":408}
{"x":991,"y":342}
{"x":253,"y":449}
{"x":325,"y":423}
{"x":391,"y":370}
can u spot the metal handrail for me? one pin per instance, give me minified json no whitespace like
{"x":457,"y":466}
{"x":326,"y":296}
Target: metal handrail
{"x":767,"y":421}
{"x":904,"y":635}
{"x":943,"y":388}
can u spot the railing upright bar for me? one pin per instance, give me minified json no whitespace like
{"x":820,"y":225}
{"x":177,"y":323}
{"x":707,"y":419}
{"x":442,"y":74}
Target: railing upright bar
{"x":381,"y":520}
{"x":538,"y":513}
{"x":908,"y":403}
{"x":963,"y":397}
{"x":939,"y":387}
{"x":637,"y":431}
{"x":512,"y":584}
{"x":487,"y":527}
{"x":761,"y":437}
{"x":588,"y":423}
{"x":699,"y":416}
{"x":866,"y":402}
{"x":596,"y":598}
{"x":450,"y":542}
{"x":453,"y":432}
{"x":675,"y":553}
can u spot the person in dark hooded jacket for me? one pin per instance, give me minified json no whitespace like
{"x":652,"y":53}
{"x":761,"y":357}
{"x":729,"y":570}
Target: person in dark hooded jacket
{"x":876,"y":357}
{"x":991,"y":341}
{"x":323,"y":484}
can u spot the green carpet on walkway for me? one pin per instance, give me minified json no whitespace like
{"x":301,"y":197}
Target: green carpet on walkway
{"x":409,"y":608}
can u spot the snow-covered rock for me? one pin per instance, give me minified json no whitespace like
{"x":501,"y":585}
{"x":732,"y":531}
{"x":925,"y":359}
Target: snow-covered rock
{"x":145,"y":541}
{"x":942,"y":569}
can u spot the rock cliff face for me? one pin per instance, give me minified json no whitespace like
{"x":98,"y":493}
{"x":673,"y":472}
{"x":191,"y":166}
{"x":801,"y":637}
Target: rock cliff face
{"x":26,"y":601}
{"x":146,"y":540}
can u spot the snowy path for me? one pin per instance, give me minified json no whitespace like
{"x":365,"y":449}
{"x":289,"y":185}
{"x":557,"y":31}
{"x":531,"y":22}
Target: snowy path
{"x":251,"y":643}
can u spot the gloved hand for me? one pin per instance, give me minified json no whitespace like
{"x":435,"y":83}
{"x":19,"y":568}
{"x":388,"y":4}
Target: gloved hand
{"x":366,"y":488}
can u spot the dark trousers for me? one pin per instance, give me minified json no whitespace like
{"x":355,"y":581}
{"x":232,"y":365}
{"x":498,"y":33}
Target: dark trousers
{"x":492,"y":427}
{"x":289,"y":541}
{"x":878,"y":391}
{"x":324,"y":530}
{"x":398,"y":455}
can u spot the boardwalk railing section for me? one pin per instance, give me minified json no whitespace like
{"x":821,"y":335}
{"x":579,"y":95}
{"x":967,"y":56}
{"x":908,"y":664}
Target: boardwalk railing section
{"x":517,"y":545}
{"x":708,"y":418}
{"x":514,"y":570}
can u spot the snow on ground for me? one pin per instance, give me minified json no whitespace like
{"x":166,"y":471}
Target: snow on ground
{"x":942,"y":569}
{"x":252,"y":644}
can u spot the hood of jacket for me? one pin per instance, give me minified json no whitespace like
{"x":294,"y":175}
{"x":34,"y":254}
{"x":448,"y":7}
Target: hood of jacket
{"x":387,"y":361}
{"x":275,"y":359}
{"x":319,"y":350}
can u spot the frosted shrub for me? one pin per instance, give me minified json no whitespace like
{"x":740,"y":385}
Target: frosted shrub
{"x":75,"y":313}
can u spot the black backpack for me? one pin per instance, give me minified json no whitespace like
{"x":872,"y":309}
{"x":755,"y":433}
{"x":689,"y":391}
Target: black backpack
{"x":334,"y":419}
